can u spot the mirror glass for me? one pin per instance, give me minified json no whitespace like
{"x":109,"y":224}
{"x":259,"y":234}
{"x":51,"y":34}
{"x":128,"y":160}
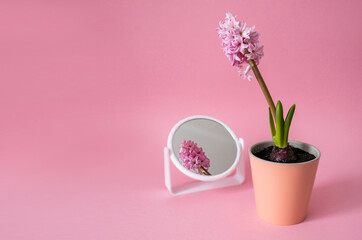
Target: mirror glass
{"x":216,"y":141}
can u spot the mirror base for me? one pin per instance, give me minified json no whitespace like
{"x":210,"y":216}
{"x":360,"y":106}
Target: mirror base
{"x":236,"y":179}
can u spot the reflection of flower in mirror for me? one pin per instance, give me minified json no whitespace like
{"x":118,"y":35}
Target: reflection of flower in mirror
{"x":193,"y":157}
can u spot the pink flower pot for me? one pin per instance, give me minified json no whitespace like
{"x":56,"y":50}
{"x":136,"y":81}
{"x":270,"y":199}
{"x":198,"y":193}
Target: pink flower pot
{"x":282,"y":190}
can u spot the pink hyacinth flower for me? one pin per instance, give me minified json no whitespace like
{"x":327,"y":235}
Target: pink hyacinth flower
{"x":193,"y":157}
{"x":240,"y":43}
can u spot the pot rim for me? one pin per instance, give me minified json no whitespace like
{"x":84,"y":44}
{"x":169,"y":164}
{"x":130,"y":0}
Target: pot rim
{"x":292,"y":143}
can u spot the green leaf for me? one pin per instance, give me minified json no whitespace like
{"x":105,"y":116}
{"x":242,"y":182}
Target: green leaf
{"x":288,"y":121}
{"x":271,"y":122}
{"x":279,"y":125}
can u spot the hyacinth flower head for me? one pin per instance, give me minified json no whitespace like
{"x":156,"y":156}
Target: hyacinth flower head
{"x":193,"y":157}
{"x":240,"y":43}
{"x":241,"y":46}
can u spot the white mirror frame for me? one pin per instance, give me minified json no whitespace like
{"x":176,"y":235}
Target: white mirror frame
{"x":207,"y":182}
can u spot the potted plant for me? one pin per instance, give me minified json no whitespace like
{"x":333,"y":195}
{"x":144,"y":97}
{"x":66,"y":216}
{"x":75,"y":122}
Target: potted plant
{"x":283,"y":171}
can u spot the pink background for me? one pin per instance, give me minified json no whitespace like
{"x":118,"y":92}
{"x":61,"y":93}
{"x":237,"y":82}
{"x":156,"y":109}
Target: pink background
{"x":89,"y":91}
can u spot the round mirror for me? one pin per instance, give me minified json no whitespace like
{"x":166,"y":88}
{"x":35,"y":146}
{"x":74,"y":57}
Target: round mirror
{"x":216,"y":141}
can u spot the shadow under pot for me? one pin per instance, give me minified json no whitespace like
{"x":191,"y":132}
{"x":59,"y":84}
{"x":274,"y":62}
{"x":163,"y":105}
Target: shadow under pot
{"x":282,"y":190}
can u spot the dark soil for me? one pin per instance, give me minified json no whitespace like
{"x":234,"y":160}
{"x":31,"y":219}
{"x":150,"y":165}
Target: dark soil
{"x":302,"y":156}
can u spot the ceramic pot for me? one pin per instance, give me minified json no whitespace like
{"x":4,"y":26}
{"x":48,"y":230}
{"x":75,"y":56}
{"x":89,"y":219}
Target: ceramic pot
{"x":282,"y":190}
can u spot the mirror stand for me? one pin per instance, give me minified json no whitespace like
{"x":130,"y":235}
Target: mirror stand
{"x":233,"y":180}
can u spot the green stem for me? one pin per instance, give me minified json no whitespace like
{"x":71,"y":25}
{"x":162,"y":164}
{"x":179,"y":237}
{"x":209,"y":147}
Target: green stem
{"x":279,"y":135}
{"x":263,"y":87}
{"x":204,"y":171}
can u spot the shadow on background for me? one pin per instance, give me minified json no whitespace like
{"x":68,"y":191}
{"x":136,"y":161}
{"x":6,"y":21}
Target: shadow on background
{"x":335,"y":198}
